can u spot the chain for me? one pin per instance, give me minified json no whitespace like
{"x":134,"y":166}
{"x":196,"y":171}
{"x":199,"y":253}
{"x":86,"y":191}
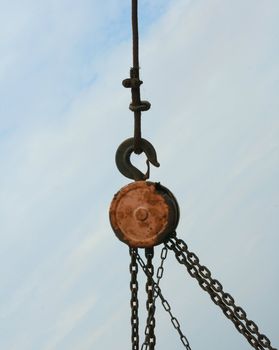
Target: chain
{"x":134,"y":299}
{"x":224,"y":300}
{"x":159,"y":275}
{"x":150,"y":339}
{"x":166,"y":305}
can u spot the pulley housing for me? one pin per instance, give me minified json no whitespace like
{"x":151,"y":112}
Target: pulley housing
{"x":143,"y":214}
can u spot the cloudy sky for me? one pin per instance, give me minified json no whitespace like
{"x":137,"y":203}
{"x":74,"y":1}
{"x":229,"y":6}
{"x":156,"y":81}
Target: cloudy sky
{"x":211,"y":72}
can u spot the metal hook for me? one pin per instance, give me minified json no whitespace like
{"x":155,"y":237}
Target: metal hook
{"x":123,"y":161}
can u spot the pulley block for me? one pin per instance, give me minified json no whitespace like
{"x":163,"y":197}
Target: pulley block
{"x":143,"y":214}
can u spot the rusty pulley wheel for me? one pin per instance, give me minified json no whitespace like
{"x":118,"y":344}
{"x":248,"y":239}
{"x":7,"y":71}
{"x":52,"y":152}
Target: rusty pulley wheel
{"x":143,"y":214}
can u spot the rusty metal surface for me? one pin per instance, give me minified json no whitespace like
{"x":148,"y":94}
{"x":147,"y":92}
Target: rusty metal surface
{"x":142,"y":214}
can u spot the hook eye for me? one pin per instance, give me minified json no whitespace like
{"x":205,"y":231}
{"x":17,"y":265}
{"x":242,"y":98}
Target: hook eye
{"x":123,"y":159}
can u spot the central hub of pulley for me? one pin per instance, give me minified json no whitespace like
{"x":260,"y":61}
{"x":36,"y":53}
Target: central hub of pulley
{"x":144,"y":214}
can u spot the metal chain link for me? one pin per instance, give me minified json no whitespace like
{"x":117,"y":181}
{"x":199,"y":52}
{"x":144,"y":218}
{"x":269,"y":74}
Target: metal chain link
{"x":134,"y":299}
{"x":224,"y":300}
{"x":166,"y":305}
{"x":160,"y":270}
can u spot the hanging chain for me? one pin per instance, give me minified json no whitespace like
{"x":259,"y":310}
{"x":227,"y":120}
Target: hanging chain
{"x":166,"y":305}
{"x":150,"y":304}
{"x":134,"y":299}
{"x":224,"y":300}
{"x":159,"y":275}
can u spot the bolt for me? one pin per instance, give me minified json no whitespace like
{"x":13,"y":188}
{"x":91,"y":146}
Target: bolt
{"x":141,"y":214}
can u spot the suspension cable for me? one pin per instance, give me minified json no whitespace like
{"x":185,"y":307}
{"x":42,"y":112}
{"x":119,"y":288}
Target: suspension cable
{"x":137,"y":106}
{"x":135,"y":28}
{"x":135,"y":75}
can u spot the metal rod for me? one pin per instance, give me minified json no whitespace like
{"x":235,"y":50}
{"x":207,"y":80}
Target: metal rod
{"x":135,"y":74}
{"x":137,"y":133}
{"x":135,"y":33}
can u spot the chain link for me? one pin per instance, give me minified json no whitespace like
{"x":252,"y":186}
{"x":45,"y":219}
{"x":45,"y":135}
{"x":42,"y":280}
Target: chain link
{"x":134,"y":299}
{"x":160,"y":270}
{"x":166,"y":305}
{"x":214,"y":288}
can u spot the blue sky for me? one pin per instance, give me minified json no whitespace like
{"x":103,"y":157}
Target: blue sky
{"x":211,"y":72}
